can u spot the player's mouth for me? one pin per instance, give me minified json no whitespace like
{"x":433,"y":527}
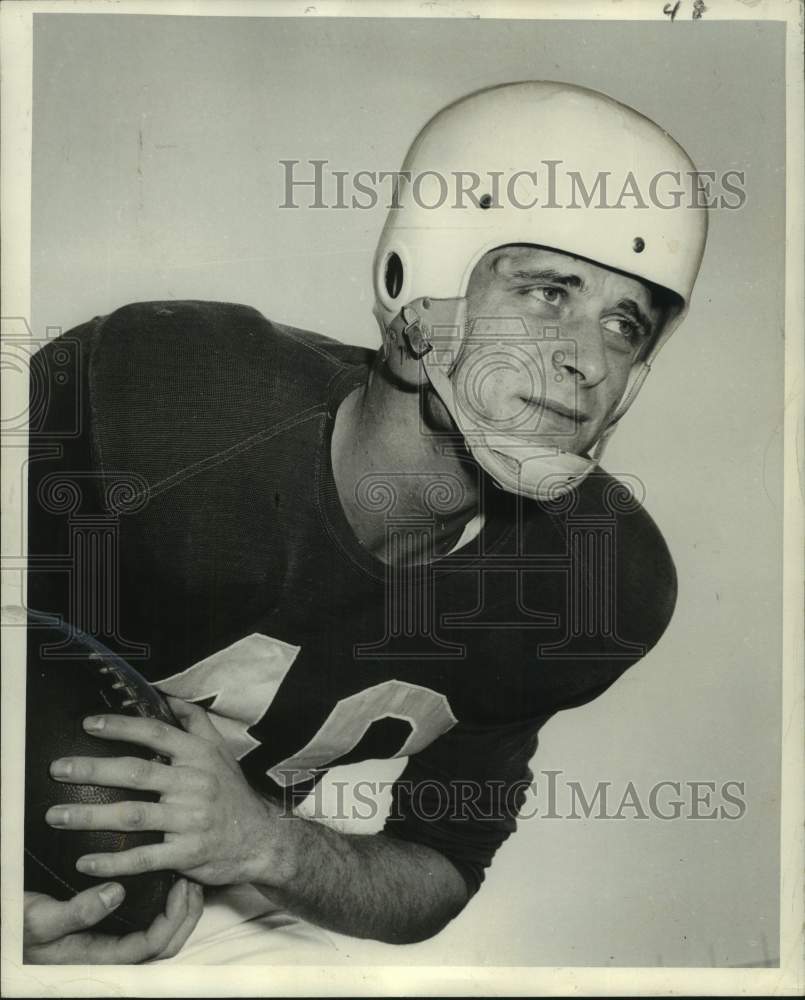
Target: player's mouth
{"x":557,"y":412}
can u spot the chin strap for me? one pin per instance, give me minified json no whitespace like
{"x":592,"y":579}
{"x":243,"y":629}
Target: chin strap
{"x":409,"y":331}
{"x":432,"y":331}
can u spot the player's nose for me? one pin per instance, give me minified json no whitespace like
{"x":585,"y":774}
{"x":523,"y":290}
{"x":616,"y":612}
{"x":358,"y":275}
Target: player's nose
{"x":586,"y":362}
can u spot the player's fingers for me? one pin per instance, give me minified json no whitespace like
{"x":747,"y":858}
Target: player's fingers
{"x":160,"y":736}
{"x":143,"y":945}
{"x":114,"y":772}
{"x":46,"y":919}
{"x":194,"y":719}
{"x":152,"y":858}
{"x":195,"y":907}
{"x":163,"y":930}
{"x":156,"y":816}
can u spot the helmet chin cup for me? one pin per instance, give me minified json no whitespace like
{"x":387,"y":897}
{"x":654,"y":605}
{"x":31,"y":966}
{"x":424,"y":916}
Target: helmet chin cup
{"x":533,"y":471}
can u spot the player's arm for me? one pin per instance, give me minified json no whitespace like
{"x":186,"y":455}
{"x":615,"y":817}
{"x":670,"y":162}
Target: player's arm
{"x":219,"y":831}
{"x":368,"y":886}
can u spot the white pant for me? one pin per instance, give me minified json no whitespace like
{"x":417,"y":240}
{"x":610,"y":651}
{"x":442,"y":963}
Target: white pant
{"x":239,"y":926}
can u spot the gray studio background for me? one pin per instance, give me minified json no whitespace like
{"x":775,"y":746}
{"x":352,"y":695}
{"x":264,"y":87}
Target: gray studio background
{"x":156,"y":175}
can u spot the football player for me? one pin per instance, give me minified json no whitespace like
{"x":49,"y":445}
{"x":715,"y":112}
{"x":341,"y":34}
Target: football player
{"x":325,"y":555}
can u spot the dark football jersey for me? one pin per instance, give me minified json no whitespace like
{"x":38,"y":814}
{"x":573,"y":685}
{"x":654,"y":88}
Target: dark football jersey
{"x":182,"y":509}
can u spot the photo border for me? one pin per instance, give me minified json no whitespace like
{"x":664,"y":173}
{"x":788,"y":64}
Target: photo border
{"x":16,"y":18}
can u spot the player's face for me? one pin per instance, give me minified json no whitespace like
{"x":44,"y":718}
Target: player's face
{"x":550,"y":342}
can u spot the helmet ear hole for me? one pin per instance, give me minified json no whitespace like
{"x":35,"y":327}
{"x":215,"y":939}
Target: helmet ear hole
{"x":393,"y":275}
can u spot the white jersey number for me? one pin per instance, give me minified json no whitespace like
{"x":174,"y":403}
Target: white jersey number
{"x":244,"y":678}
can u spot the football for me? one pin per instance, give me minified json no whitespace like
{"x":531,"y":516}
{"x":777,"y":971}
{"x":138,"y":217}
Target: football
{"x":70,"y":676}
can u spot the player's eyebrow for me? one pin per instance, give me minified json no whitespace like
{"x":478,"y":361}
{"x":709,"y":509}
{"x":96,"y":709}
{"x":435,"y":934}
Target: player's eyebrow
{"x":549,"y":274}
{"x":630,"y":307}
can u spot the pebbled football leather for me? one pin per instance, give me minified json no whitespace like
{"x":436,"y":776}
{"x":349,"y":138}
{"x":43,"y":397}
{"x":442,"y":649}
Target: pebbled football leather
{"x":70,"y":676}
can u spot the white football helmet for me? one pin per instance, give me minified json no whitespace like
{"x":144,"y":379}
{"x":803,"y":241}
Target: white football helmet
{"x":431,"y":242}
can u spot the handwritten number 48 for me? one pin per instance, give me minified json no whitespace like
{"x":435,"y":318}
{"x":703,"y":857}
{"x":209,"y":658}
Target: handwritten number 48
{"x":699,"y":8}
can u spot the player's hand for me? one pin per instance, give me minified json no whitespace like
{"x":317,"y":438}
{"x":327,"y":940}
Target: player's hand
{"x":56,"y":933}
{"x":217,"y":829}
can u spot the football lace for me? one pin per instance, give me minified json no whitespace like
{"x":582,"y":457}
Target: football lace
{"x":121,"y":684}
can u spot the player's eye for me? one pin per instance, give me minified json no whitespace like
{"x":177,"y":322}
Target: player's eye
{"x":551,"y":294}
{"x":630,"y":332}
